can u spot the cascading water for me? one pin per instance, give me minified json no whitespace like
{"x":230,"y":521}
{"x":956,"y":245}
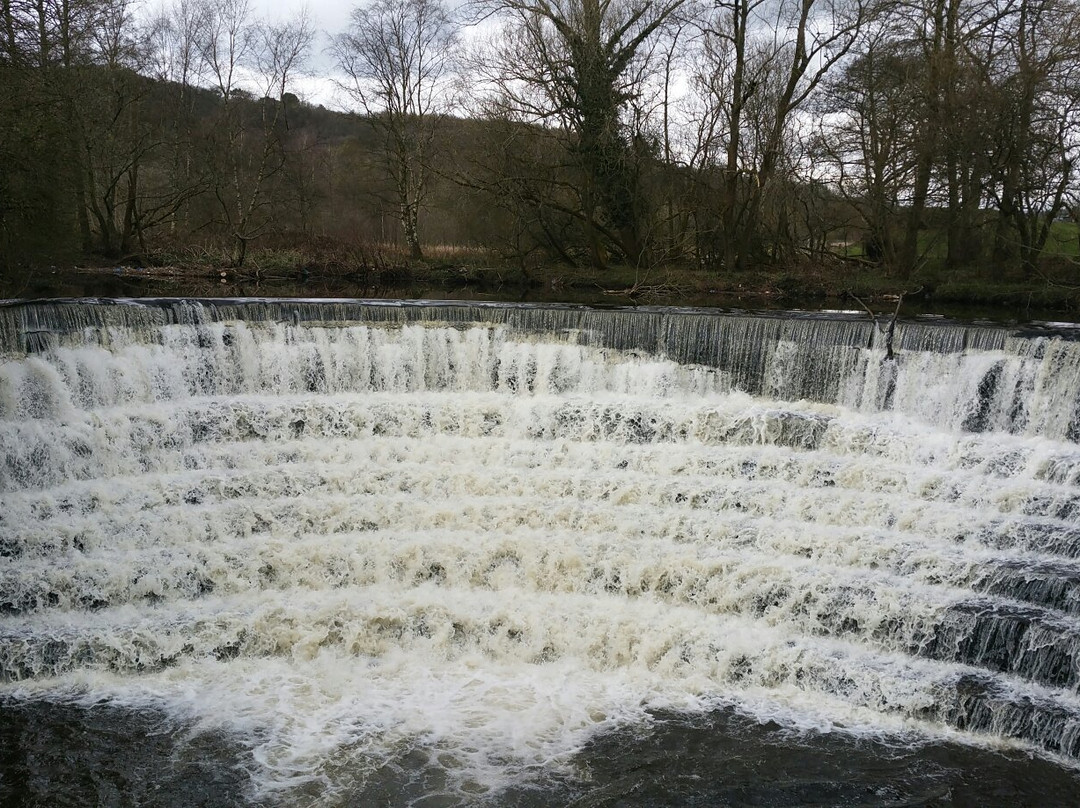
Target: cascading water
{"x":461,"y":543}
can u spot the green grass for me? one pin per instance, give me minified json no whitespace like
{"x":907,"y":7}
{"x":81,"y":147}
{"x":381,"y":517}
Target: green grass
{"x":1064,"y":240}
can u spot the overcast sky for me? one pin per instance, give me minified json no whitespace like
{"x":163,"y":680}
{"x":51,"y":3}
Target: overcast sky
{"x":330,"y":17}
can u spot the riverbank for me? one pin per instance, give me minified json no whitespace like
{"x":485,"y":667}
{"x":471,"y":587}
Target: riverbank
{"x":466,"y":274}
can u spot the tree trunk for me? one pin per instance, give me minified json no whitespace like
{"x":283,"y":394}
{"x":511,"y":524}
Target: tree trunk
{"x":909,"y":254}
{"x":409,"y":222}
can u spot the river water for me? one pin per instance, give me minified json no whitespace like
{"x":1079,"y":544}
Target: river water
{"x":342,"y":553}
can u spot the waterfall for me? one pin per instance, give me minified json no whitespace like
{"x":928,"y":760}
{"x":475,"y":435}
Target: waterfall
{"x":333,"y":528}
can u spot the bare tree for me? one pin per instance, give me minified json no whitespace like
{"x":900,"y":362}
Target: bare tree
{"x":397,"y":56}
{"x":86,"y":73}
{"x":760,"y":62}
{"x":577,"y":65}
{"x":868,"y":136}
{"x":173,"y":61}
{"x":1035,"y":141}
{"x":951,"y":110}
{"x":116,"y":138}
{"x":230,"y":43}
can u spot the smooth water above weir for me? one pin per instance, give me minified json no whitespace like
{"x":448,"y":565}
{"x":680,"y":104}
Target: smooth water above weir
{"x":347,"y":552}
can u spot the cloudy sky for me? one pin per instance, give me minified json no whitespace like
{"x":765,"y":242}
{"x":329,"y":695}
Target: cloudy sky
{"x":330,"y":17}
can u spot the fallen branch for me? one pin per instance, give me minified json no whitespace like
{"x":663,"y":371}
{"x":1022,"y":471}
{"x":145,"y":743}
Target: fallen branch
{"x":890,"y":331}
{"x":642,"y":290}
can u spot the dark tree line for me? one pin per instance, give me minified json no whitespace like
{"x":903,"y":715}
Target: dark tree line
{"x":967,"y":111}
{"x":723,"y":134}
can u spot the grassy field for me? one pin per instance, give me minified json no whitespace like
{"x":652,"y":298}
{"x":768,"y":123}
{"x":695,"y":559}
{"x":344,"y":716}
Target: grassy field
{"x":1064,"y":240}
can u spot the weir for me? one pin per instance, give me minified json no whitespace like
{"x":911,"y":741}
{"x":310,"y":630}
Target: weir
{"x":493,"y":531}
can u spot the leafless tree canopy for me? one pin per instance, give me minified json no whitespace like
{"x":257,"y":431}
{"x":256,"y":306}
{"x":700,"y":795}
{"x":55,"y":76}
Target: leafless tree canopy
{"x":397,"y":59}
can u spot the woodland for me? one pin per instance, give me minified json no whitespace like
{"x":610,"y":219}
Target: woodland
{"x":915,"y":141}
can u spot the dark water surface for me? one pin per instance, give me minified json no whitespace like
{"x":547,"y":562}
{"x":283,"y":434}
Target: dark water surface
{"x":67,"y":283}
{"x":70,"y":755}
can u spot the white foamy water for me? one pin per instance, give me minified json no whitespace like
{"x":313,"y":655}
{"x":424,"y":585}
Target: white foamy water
{"x":347,"y":542}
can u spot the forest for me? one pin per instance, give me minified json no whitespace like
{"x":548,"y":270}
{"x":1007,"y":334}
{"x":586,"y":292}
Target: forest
{"x":913,"y":138}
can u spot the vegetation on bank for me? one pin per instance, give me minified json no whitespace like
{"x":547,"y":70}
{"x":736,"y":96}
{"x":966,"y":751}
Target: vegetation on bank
{"x":325,"y":269}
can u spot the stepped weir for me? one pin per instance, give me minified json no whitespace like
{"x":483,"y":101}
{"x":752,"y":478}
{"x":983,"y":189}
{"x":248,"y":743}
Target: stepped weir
{"x":344,"y":533}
